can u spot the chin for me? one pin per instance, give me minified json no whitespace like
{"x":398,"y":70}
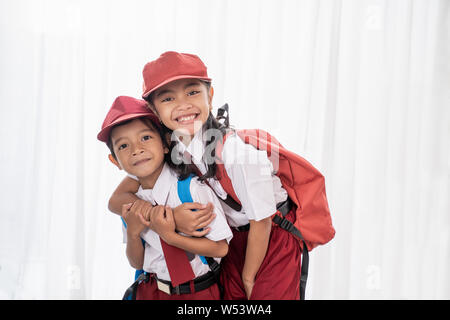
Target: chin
{"x":190,"y":128}
{"x":142,"y":173}
{"x":185,"y":131}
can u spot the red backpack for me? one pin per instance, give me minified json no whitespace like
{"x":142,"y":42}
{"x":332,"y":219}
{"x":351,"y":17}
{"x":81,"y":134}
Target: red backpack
{"x":304,"y":184}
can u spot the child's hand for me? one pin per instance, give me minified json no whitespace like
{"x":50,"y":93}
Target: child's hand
{"x":148,"y":213}
{"x":188,"y":221}
{"x":142,"y":208}
{"x":162,"y":222}
{"x":133,"y":219}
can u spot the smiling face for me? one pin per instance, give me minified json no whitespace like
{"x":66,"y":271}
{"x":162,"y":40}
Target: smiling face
{"x":139,"y":150}
{"x":183,"y":105}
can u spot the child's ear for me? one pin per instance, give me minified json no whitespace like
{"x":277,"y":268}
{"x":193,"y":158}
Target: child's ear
{"x":114,"y":161}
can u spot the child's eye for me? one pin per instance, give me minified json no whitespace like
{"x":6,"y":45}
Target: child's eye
{"x":123,"y":146}
{"x":147,"y":137}
{"x":167,"y":99}
{"x":193,"y":92}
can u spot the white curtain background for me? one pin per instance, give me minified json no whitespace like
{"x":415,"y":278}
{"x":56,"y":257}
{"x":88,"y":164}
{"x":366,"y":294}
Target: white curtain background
{"x":359,"y":88}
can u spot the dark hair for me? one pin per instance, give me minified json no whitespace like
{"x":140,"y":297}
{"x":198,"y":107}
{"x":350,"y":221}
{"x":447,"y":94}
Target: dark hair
{"x":161,"y":130}
{"x":183,"y":169}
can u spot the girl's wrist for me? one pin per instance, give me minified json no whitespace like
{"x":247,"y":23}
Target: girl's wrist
{"x":169,"y":237}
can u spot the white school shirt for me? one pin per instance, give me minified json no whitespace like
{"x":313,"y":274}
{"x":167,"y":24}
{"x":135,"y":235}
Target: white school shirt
{"x":166,"y":188}
{"x":251,"y":174}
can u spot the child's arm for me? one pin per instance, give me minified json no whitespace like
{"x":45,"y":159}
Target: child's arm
{"x":135,"y":247}
{"x":253,"y":184}
{"x":201,"y":246}
{"x":257,"y":243}
{"x":135,"y":251}
{"x":192,"y":216}
{"x":124,"y":194}
{"x":162,"y":222}
{"x":186,"y":222}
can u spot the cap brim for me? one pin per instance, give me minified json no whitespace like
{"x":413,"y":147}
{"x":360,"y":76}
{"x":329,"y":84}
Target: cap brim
{"x":145,"y":95}
{"x":103,"y":135}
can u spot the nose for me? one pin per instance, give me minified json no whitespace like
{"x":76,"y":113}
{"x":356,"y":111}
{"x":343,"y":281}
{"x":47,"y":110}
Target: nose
{"x":183,"y":104}
{"x":137,"y":150}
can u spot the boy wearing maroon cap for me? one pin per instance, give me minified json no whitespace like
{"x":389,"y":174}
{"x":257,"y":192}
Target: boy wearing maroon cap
{"x":138,"y":146}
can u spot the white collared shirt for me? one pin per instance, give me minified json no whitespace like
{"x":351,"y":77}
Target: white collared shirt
{"x":251,"y":174}
{"x":165,"y":191}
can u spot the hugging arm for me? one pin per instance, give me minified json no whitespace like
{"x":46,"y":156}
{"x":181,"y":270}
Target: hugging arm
{"x":185,"y":219}
{"x":124,"y":194}
{"x":162,"y":221}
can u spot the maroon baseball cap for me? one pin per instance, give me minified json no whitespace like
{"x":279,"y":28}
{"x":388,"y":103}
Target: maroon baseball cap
{"x":125,"y":108}
{"x":172,"y":66}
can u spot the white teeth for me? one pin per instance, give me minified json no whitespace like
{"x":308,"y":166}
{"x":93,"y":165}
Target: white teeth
{"x":187,"y":118}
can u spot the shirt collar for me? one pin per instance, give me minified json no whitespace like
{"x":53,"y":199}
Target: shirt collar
{"x":195,"y":148}
{"x":160,"y":191}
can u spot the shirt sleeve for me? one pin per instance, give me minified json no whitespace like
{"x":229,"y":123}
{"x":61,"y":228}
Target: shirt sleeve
{"x":250,"y":172}
{"x":201,"y":193}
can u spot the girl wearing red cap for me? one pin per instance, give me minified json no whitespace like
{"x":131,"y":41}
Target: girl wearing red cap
{"x":263,"y":261}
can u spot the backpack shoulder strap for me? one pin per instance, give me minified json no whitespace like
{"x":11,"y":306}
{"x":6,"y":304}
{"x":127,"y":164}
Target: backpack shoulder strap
{"x":184,"y":193}
{"x":255,"y":137}
{"x":221,"y":174}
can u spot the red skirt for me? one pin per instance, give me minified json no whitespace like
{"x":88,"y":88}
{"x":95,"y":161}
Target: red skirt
{"x":149,"y":291}
{"x":278,"y":277}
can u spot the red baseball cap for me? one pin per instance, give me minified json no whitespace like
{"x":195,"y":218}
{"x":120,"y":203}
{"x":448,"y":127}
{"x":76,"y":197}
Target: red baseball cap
{"x":125,"y":108}
{"x":172,"y":66}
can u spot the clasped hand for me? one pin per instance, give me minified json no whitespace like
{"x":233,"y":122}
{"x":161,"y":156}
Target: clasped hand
{"x":189,"y":218}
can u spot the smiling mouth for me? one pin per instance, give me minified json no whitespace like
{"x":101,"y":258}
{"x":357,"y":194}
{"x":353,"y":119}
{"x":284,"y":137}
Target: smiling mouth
{"x":137,"y":163}
{"x":186,"y":119}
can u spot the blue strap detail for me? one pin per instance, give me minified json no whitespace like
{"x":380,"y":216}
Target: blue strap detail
{"x":124,"y":223}
{"x":138,"y":272}
{"x":184,"y":193}
{"x":184,"y":190}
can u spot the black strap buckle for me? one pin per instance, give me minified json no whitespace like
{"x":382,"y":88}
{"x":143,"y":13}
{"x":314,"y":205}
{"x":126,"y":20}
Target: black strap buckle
{"x":286,"y":225}
{"x":283,"y":223}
